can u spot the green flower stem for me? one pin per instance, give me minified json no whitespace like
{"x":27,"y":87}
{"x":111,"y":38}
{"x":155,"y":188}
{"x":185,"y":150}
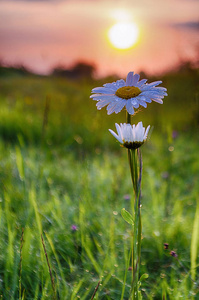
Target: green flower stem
{"x":128,"y":118}
{"x":135,"y":163}
{"x":131,"y":163}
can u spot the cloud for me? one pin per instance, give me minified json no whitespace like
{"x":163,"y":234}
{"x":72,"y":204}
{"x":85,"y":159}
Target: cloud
{"x":187,"y":25}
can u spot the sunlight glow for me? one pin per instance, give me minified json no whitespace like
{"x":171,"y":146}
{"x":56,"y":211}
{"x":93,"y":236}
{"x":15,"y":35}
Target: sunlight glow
{"x":121,"y":15}
{"x":123,"y":35}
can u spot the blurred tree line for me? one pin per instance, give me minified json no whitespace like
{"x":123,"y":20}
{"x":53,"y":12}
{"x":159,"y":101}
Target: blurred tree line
{"x":85,"y":70}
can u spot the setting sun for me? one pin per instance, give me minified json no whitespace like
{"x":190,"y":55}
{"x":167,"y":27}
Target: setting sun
{"x":123,"y":35}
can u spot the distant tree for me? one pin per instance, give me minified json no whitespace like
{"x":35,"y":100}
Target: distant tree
{"x":79,"y":71}
{"x":185,"y":66}
{"x":13,"y":70}
{"x":61,"y":71}
{"x":83,"y":69}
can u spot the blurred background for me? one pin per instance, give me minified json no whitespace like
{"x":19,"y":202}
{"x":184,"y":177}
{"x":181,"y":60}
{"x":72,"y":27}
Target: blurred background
{"x":155,"y":36}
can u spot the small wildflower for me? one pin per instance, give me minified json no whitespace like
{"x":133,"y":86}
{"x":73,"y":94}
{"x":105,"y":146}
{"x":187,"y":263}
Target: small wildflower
{"x":173,"y":253}
{"x":166,"y":246}
{"x":73,"y":228}
{"x":127,"y":197}
{"x":174,"y":134}
{"x":131,"y":136}
{"x":130,"y":94}
{"x":165,"y":175}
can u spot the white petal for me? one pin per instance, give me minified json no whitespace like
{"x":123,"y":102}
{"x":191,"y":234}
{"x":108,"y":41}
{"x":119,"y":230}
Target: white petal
{"x":103,"y":90}
{"x":136,"y":78}
{"x":128,"y":133}
{"x":116,"y":136}
{"x":120,"y":105}
{"x":102,"y":103}
{"x":137,"y":132}
{"x":119,"y":131}
{"x":134,"y":102}
{"x":141,"y":82}
{"x":146,"y":133}
{"x":120,"y":83}
{"x":158,"y":101}
{"x":111,"y":86}
{"x":129,"y":79}
{"x":143,"y":103}
{"x":101,"y":97}
{"x":129,"y":107}
{"x":111,"y":107}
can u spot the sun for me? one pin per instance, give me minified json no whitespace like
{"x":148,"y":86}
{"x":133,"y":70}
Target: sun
{"x":123,"y":35}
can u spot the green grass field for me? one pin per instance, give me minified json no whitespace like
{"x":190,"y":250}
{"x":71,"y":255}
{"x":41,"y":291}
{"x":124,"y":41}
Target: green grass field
{"x":63,"y":176}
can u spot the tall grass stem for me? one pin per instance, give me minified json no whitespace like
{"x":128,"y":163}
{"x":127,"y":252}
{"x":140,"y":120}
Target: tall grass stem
{"x":49,"y":268}
{"x":20,"y":262}
{"x":95,"y":291}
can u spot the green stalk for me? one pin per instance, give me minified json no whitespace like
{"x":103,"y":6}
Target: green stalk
{"x":128,"y":118}
{"x":139,"y":207}
{"x":135,"y":163}
{"x":131,"y":164}
{"x":136,"y":225}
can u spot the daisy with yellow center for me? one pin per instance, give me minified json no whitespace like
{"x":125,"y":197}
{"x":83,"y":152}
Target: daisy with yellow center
{"x":130,"y":94}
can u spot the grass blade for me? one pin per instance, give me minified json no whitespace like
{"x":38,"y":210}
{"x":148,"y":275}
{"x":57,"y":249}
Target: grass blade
{"x":194,"y":243}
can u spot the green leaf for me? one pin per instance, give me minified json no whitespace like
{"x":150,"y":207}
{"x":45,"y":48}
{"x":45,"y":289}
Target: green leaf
{"x":144,"y":276}
{"x":139,"y":295}
{"x":127,"y":216}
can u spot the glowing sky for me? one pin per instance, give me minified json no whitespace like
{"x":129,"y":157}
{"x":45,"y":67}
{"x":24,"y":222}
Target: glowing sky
{"x":43,"y":34}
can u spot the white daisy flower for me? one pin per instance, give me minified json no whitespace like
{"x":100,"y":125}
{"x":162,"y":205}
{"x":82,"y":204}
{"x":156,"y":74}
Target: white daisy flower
{"x":131,"y":136}
{"x":130,"y":94}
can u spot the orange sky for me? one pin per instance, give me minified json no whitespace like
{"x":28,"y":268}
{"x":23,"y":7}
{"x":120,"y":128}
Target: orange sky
{"x":43,"y":34}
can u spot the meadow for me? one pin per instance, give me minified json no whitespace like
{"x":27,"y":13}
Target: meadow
{"x":64,"y":181}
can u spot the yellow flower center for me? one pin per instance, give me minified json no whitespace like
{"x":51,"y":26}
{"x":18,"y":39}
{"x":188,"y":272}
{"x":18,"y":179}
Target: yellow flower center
{"x":127,"y":92}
